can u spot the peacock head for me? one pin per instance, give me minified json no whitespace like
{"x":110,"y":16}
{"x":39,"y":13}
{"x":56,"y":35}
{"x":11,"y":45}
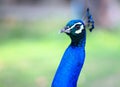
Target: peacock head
{"x":74,"y":28}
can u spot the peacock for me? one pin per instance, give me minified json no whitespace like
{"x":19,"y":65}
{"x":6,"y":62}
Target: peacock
{"x":73,"y":59}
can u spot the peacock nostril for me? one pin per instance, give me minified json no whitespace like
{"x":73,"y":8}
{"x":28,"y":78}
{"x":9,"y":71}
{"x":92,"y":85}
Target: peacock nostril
{"x":66,"y":27}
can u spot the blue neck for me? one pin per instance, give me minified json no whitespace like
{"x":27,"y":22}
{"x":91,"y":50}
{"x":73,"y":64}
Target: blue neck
{"x":71,"y":64}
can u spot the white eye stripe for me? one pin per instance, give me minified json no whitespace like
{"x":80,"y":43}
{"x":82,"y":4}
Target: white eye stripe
{"x":73,"y":26}
{"x":80,"y":30}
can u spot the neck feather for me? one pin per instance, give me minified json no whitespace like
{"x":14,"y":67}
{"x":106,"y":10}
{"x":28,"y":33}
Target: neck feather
{"x":71,"y":64}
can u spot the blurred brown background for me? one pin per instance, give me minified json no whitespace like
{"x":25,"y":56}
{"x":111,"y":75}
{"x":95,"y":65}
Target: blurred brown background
{"x":106,"y":12}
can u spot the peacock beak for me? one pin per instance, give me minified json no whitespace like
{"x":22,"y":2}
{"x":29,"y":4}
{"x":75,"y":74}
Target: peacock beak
{"x":65,"y":30}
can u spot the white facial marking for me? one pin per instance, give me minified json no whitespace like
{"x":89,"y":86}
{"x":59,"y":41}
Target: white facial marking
{"x":74,"y":25}
{"x":80,"y":30}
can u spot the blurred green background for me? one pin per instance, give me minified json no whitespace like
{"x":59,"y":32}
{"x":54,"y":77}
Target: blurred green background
{"x":31,"y":47}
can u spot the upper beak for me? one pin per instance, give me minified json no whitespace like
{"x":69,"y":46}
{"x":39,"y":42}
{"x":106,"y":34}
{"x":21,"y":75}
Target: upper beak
{"x":65,"y":30}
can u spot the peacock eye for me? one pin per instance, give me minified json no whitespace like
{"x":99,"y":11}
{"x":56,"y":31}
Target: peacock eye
{"x":77,"y":26}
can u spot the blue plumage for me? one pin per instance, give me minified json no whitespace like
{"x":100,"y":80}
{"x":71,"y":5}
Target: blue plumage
{"x":70,"y":67}
{"x":73,"y":59}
